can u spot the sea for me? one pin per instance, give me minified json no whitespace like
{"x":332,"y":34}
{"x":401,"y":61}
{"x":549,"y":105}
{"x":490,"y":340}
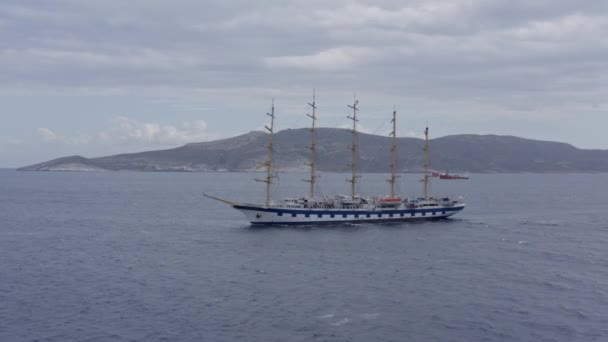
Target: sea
{"x":135,"y":256}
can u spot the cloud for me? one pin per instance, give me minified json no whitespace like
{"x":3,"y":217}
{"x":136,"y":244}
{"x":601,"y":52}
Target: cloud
{"x":49,"y":136}
{"x":128,"y":58}
{"x":46,"y":134}
{"x":483,"y":60}
{"x":392,"y":45}
{"x":339,"y":58}
{"x":128,"y":131}
{"x":125,"y":131}
{"x":361,"y":128}
{"x":413,"y":134}
{"x":10,"y":141}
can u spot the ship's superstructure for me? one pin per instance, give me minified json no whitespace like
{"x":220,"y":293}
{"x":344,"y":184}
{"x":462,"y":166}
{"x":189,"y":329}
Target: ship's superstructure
{"x":351,"y":208}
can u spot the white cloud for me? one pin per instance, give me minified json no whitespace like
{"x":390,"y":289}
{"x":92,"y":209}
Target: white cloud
{"x":125,"y":131}
{"x":49,"y":136}
{"x":339,"y":58}
{"x":11,"y":141}
{"x":413,"y":134}
{"x":360,"y":128}
{"x":419,"y":16}
{"x":73,"y":58}
{"x":46,"y":134}
{"x":128,"y":131}
{"x":573,"y":28}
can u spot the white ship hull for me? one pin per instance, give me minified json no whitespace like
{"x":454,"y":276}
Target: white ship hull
{"x":260,"y":215}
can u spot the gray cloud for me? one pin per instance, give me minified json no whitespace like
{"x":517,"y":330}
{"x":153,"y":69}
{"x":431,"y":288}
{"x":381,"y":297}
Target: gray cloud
{"x":125,"y":131}
{"x":187,"y":43}
{"x":486,"y":58}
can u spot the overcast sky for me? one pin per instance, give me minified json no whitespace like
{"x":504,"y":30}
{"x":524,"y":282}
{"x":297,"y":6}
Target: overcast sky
{"x":103,"y":77}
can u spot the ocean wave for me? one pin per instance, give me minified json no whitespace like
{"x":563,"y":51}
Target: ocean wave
{"x":370,"y":315}
{"x":550,"y":223}
{"x":340,"y":322}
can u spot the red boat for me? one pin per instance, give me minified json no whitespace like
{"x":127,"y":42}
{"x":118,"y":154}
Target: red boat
{"x":391,"y":199}
{"x":449,"y":176}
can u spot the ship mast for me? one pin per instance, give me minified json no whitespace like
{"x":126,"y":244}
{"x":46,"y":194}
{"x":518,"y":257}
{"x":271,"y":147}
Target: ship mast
{"x":268,"y":163}
{"x":393,"y":154}
{"x":353,"y":147}
{"x":426,"y":163}
{"x":313,"y":145}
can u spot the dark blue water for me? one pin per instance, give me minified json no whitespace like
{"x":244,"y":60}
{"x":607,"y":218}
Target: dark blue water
{"x":144,"y":257}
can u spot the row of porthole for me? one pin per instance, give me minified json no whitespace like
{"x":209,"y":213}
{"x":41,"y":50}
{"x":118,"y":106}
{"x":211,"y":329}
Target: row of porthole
{"x":357,"y":215}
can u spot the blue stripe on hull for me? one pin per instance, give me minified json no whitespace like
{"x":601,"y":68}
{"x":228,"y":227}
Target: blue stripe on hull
{"x":394,"y":220}
{"x":345,"y":211}
{"x":339,"y":216}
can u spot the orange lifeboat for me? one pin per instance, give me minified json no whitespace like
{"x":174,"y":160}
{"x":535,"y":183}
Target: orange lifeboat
{"x":391,"y":199}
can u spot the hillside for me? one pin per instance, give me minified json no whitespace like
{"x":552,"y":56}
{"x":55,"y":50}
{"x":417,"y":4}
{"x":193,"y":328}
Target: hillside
{"x":458,"y":153}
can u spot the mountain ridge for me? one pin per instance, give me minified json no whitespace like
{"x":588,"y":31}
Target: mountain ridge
{"x":487,"y":153}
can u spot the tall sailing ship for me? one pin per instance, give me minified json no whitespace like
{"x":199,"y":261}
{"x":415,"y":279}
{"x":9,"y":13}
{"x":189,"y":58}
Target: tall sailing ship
{"x":353,"y":208}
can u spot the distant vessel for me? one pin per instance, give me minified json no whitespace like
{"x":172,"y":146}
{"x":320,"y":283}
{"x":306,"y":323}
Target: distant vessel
{"x":447,"y":175}
{"x":351,"y":208}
